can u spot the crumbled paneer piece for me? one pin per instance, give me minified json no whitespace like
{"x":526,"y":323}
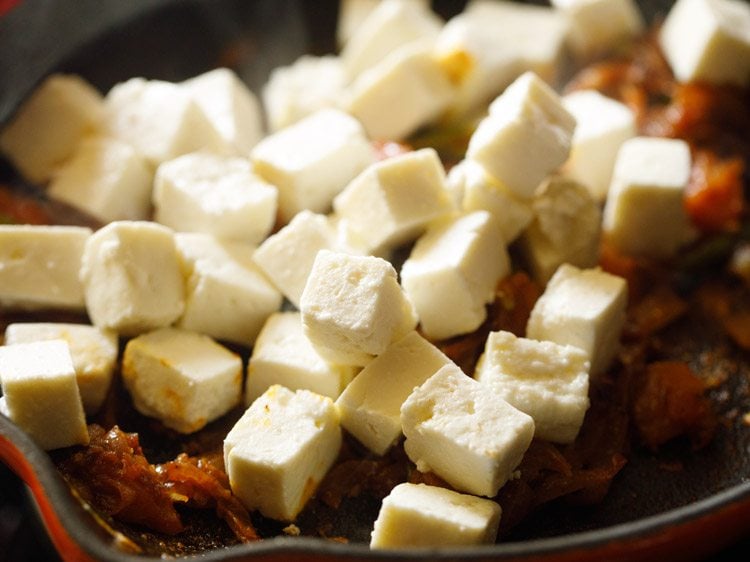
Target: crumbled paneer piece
{"x":370,"y":407}
{"x":353,"y":307}
{"x":708,"y":40}
{"x":93,"y":351}
{"x":131,"y":277}
{"x":452,"y":271}
{"x":280,"y":450}
{"x":39,"y":266}
{"x":283,"y":355}
{"x":526,"y":136}
{"x":106,"y":178}
{"x":644,"y":214}
{"x":584,"y":308}
{"x":393,"y":201}
{"x":40,"y":393}
{"x":429,"y":516}
{"x":311,"y":161}
{"x":48,"y":126}
{"x":227,"y":296}
{"x":182,"y":378}
{"x":214,"y":194}
{"x":464,"y":432}
{"x":550,"y":382}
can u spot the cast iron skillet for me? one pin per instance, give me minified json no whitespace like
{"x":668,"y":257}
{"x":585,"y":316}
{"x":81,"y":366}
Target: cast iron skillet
{"x":649,"y":514}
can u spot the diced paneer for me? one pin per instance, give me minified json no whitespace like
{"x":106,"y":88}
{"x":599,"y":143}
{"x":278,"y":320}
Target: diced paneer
{"x":464,"y":432}
{"x":131,"y":277}
{"x":181,"y":378}
{"x":370,"y":407}
{"x":352,"y":13}
{"x":644,"y":214}
{"x":526,"y":136}
{"x":49,"y":125}
{"x":39,"y":266}
{"x":602,"y":125}
{"x":280,"y":450}
{"x":93,"y":350}
{"x":311,"y":161}
{"x":550,"y":382}
{"x":283,"y":355}
{"x":407,"y":90}
{"x":41,"y":395}
{"x":584,"y":308}
{"x":353,"y":307}
{"x":106,"y":178}
{"x":393,"y":201}
{"x":214,"y":194}
{"x":227,"y":296}
{"x":230,"y":106}
{"x":452,"y":272}
{"x":430,"y":516}
{"x":708,"y":40}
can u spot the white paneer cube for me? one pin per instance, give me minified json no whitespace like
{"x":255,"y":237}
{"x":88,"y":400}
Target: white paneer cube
{"x":407,"y":90}
{"x":181,"y":378}
{"x":352,"y":13}
{"x":550,"y":382}
{"x":230,"y":106}
{"x":227,"y":296}
{"x":41,"y":395}
{"x":452,"y":271}
{"x":311,"y":161}
{"x":353,"y":307}
{"x":214,"y":194}
{"x":49,"y":125}
{"x":430,"y":516}
{"x":93,"y":350}
{"x":602,"y":125}
{"x":644,"y":214}
{"x":106,"y":178}
{"x":526,"y":136}
{"x":584,"y":308}
{"x":464,"y":432}
{"x":280,"y":450}
{"x":708,"y":40}
{"x":370,"y":407}
{"x":131,"y":277}
{"x":393,"y":201}
{"x":39,"y":266}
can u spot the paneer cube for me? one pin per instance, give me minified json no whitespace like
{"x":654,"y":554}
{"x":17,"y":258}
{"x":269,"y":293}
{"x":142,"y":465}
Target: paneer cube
{"x":550,"y":382}
{"x":280,"y":450}
{"x":452,"y":271}
{"x":464,"y":432}
{"x":41,"y":395}
{"x":430,"y":516}
{"x":370,"y":407}
{"x":352,"y":13}
{"x":584,"y":308}
{"x":181,"y":378}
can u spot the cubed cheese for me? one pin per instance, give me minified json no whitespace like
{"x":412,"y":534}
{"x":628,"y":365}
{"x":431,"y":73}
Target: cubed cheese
{"x":452,"y":272}
{"x":584,"y":308}
{"x":183,"y":379}
{"x":41,"y":395}
{"x":219,"y":195}
{"x":93,"y":350}
{"x":370,"y":407}
{"x":464,"y":432}
{"x":48,"y":126}
{"x":39,"y":266}
{"x":131,"y":277}
{"x":280,"y":450}
{"x":353,"y":307}
{"x":550,"y":382}
{"x":429,"y":516}
{"x":644,"y":213}
{"x":352,"y":13}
